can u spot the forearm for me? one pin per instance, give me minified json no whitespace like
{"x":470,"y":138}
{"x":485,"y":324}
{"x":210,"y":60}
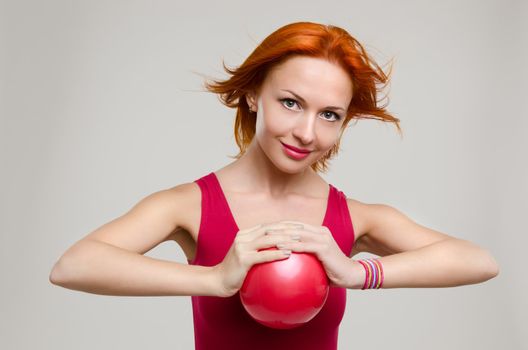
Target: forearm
{"x":448,"y":263}
{"x":100,"y":268}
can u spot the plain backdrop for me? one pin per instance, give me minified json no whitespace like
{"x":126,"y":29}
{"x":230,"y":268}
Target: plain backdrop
{"x":102,"y":104}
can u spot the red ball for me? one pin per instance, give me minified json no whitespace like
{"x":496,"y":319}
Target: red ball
{"x":285,"y":293}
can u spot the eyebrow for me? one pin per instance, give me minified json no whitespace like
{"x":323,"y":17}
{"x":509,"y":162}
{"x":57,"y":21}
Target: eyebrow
{"x":303,"y":101}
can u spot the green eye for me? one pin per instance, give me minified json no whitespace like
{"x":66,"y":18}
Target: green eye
{"x":337,"y":116}
{"x":288,"y":100}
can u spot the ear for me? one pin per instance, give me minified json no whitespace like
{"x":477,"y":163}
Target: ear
{"x":251,"y":101}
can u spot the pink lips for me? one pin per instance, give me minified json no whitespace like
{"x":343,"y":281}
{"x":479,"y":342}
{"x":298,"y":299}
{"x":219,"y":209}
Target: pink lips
{"x":294,"y":152}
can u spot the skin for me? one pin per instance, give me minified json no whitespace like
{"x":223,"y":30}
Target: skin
{"x":110,"y":259}
{"x":412,"y":255}
{"x":264,"y":167}
{"x":267,"y":170}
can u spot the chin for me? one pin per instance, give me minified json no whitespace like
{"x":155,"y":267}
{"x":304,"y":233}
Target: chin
{"x":286,"y":165}
{"x":292,"y":167}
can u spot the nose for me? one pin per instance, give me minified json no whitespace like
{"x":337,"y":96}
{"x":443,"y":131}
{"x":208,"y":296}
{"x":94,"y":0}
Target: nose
{"x":305,"y":128}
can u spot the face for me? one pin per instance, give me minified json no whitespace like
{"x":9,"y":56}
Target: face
{"x":301,"y":103}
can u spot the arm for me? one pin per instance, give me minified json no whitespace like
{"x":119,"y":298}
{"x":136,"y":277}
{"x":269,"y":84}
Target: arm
{"x":414,"y":256}
{"x":100,"y":268}
{"x":110,"y":260}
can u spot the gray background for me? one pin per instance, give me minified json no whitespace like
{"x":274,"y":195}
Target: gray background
{"x":100,"y":106}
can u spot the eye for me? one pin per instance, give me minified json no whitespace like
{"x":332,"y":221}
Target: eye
{"x":337,"y":116}
{"x":288,"y":100}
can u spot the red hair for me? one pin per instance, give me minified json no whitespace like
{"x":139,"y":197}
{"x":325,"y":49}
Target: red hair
{"x":306,"y":39}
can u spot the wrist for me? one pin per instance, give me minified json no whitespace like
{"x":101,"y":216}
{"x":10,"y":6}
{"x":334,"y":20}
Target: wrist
{"x":357,"y":275}
{"x":374,"y":275}
{"x":218,"y":283}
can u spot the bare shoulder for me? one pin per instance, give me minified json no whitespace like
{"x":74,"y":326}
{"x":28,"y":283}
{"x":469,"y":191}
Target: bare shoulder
{"x":368,"y":215}
{"x":185,"y":198}
{"x":155,"y":218}
{"x":386,"y":230}
{"x":186,"y":190}
{"x":177,"y":197}
{"x":358,"y":213}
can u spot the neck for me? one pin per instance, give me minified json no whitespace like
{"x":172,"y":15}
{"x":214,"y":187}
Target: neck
{"x":258,"y":174}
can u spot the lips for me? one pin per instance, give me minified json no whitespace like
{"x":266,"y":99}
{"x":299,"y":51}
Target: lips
{"x":299,"y":150}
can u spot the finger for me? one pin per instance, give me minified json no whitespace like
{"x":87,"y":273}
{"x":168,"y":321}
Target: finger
{"x":269,"y":241}
{"x":303,"y":235}
{"x":308,"y":227}
{"x":291,"y":234}
{"x":292,"y":222}
{"x":277,"y":227}
{"x":282,"y":226}
{"x":251,"y":229}
{"x":286,"y":224}
{"x":260,"y":230}
{"x":301,"y":247}
{"x":270,"y":255}
{"x":305,"y":225}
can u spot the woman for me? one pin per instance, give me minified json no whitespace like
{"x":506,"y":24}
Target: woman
{"x":295,"y":95}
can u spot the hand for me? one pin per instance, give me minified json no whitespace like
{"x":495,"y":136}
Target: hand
{"x":244,"y":253}
{"x":320,"y":242}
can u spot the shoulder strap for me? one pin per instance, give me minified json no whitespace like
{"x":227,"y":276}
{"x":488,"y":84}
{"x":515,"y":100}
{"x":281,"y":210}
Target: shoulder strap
{"x":341,"y":223}
{"x":217,"y":231}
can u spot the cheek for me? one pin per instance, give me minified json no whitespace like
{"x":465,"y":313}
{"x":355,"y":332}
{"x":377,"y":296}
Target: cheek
{"x":330,"y":138}
{"x":274,"y":123}
{"x":329,"y":133}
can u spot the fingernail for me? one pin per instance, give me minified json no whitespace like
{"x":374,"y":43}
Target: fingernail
{"x":287,"y":252}
{"x":296,"y":237}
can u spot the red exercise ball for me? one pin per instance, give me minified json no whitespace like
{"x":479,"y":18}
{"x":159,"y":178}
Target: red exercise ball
{"x":285,"y":293}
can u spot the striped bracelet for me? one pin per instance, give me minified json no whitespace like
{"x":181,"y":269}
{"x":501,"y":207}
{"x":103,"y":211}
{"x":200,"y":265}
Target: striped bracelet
{"x":374,"y":273}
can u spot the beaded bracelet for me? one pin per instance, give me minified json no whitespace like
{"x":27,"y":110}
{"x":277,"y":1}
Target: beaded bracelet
{"x":374,"y":273}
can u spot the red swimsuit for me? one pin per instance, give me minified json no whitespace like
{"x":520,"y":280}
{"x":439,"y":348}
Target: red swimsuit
{"x":223,"y":323}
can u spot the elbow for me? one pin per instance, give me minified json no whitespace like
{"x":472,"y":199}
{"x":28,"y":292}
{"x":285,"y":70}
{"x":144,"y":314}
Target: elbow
{"x":58,"y":273}
{"x":494,"y":270}
{"x":67,"y":268}
{"x":491,"y":269}
{"x":53,"y":276}
{"x":490,"y":274}
{"x":483,"y":265}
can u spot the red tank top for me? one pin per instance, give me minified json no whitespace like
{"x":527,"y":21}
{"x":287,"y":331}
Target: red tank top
{"x":223,"y":323}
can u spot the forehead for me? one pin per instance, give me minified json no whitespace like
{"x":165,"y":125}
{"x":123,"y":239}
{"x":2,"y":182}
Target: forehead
{"x":311,"y":76}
